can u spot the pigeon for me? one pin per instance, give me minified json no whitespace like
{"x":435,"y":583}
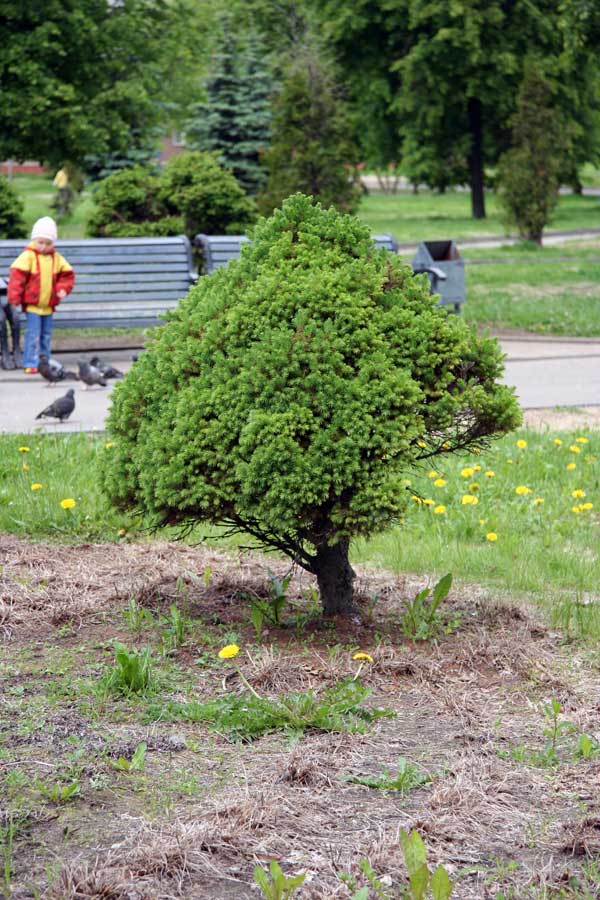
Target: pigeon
{"x":53,"y":371}
{"x":90,"y":375}
{"x":61,"y":409}
{"x":105,"y":369}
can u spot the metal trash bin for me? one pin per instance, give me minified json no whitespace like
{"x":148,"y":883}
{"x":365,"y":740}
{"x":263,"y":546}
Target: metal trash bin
{"x":442,"y":256}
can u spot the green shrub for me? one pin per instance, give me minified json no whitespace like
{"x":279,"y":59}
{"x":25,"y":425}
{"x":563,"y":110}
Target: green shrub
{"x":12,"y":224}
{"x":289,"y":393}
{"x":208,"y":197}
{"x":125,"y":202}
{"x":192,"y":194}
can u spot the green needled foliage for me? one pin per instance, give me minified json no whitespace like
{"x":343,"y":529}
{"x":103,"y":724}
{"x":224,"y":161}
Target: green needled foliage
{"x":11,"y":211}
{"x":289,"y":394}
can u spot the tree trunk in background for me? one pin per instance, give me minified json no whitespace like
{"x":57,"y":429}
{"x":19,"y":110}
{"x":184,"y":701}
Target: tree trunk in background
{"x":335,"y":577}
{"x":476,"y":158}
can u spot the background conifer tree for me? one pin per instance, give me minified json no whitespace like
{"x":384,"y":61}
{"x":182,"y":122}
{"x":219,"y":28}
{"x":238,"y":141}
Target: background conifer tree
{"x":311,"y":150}
{"x":234,"y":120}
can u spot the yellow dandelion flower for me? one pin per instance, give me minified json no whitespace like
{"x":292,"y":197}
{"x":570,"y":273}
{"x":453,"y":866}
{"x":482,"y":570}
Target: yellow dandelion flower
{"x":574,"y":448}
{"x":571,"y":467}
{"x":23,"y":449}
{"x":109,"y":444}
{"x":439,"y":482}
{"x":578,"y":493}
{"x":421,"y":444}
{"x":469,"y":500}
{"x":439,"y":510}
{"x":122,"y":532}
{"x":491,"y":536}
{"x":67,"y":503}
{"x":229,"y":651}
{"x":521,"y":444}
{"x":467,"y":472}
{"x":576,"y":509}
{"x":582,"y":440}
{"x":509,"y":461}
{"x":558,"y":442}
{"x":473,"y":487}
{"x":489,"y":474}
{"x":25,"y":467}
{"x":587,"y":505}
{"x":36,"y":486}
{"x":477,"y":451}
{"x":416,"y":499}
{"x":522,"y":489}
{"x":432,"y":474}
{"x":538,"y":501}
{"x":364,"y":656}
{"x":428,"y":501}
{"x":477,"y":468}
{"x":482,"y":521}
{"x":445,"y":445}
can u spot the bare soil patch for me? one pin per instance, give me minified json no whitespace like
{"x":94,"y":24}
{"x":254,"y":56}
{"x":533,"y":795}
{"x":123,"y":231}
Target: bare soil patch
{"x":205,"y":810}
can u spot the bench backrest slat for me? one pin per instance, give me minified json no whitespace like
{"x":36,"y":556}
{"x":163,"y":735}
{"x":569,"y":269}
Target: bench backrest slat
{"x":119,"y":281}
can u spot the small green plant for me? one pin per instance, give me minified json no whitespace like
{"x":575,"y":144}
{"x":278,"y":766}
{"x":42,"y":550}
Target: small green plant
{"x":278,"y":886}
{"x":420,"y":620}
{"x":59,"y":793}
{"x":136,"y":616}
{"x":176,"y":630}
{"x":407,"y":777}
{"x":246,"y":717}
{"x":587,"y":747}
{"x":131,"y":672}
{"x":270,"y":609}
{"x":422,"y":883}
{"x":135,"y":764}
{"x":547,"y":757}
{"x":8,"y":833}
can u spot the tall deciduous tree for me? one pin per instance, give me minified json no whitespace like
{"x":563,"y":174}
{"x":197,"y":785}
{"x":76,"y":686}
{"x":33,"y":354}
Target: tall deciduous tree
{"x":88,"y":77}
{"x":234,"y":120}
{"x":312,"y":149}
{"x":448,"y":75}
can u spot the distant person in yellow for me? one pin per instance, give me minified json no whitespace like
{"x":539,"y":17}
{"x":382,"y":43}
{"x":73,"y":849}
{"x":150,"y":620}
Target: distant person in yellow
{"x":65,"y":192}
{"x":39,"y":279}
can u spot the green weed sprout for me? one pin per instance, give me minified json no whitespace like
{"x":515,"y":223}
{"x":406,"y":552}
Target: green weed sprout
{"x":131,"y":673}
{"x":135,"y":764}
{"x":420,"y":620}
{"x":278,"y":886}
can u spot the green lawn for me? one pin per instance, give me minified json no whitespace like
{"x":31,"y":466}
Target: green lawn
{"x":527,"y":494}
{"x":38,"y":193}
{"x":428,"y":216}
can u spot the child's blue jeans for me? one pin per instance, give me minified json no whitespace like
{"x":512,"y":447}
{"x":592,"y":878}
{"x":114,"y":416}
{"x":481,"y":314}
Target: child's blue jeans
{"x":38,"y":331}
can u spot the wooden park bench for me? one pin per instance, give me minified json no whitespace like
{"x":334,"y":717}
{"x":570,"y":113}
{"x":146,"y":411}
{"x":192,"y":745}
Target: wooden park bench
{"x":118,"y":281}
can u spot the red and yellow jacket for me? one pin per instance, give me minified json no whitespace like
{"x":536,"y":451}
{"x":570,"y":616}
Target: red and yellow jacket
{"x":35,"y":279}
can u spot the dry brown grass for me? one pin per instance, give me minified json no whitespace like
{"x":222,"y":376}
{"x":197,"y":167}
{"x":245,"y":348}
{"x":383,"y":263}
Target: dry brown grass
{"x":205,"y":811}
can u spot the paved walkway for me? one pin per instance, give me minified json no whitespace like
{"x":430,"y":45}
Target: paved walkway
{"x":547,"y":372}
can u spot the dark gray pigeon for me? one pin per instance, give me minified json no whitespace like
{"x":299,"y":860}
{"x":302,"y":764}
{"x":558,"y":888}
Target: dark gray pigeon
{"x":53,"y":371}
{"x":61,"y":409}
{"x":105,"y":369}
{"x":90,"y":374}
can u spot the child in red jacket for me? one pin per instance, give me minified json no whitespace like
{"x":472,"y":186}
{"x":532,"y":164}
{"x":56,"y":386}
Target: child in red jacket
{"x":39,"y":279}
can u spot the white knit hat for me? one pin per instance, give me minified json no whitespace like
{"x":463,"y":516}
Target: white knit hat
{"x":44,"y":228}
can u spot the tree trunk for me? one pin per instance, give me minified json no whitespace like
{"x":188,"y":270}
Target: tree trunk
{"x":476,"y":158}
{"x":335,"y":577}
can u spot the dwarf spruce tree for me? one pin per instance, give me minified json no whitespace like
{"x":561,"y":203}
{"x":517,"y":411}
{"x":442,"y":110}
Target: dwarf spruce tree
{"x":289,"y":393}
